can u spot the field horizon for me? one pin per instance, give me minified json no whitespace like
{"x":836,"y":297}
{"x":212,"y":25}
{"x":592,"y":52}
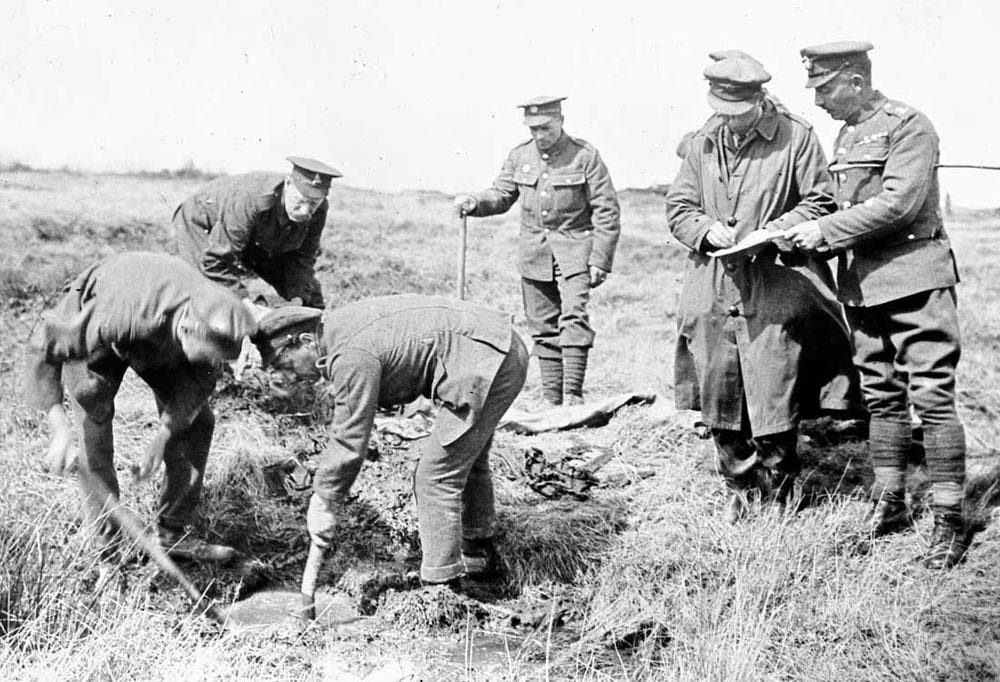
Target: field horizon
{"x":641,"y":581}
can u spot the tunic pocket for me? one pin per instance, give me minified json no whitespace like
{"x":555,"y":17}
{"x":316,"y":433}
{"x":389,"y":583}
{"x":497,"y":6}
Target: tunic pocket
{"x":859,"y":173}
{"x":569,"y":191}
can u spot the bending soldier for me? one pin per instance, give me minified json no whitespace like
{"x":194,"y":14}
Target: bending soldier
{"x":266,"y":223}
{"x":569,"y":231}
{"x":897,"y":278}
{"x":387,"y":351}
{"x":153,"y":313}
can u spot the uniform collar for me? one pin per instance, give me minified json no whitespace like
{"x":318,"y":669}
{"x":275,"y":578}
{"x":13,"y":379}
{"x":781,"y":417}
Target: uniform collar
{"x":868,"y":109}
{"x":557,"y":147}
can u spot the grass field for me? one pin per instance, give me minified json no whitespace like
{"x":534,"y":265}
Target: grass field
{"x":641,"y":582}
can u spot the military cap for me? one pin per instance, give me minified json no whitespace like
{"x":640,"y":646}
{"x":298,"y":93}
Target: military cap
{"x":824,"y":62}
{"x":541,"y":110}
{"x":281,"y":326}
{"x":312,"y":177}
{"x":734,"y":84}
{"x":219,"y":316}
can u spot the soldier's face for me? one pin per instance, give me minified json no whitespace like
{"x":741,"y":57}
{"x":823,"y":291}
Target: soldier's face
{"x":299,"y":207}
{"x":741,"y":124}
{"x":840,"y":97}
{"x":546,"y":134}
{"x":293,"y":364}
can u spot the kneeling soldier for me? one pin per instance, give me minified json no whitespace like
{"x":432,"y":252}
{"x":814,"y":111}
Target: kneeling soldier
{"x":387,"y":351}
{"x":154,"y":313}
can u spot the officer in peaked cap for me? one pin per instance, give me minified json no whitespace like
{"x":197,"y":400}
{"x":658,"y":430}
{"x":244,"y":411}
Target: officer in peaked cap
{"x":264,"y":223}
{"x":569,"y":231}
{"x":150,"y":312}
{"x":897,"y":278}
{"x":751,"y":167}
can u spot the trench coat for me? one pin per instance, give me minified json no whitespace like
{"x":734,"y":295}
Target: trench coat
{"x":760,"y":338}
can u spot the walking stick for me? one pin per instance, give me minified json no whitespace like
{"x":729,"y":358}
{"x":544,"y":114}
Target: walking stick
{"x":463,"y":231}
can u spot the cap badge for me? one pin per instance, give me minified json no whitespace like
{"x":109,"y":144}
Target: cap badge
{"x":525,"y":168}
{"x":534,"y":109}
{"x":808,"y":63}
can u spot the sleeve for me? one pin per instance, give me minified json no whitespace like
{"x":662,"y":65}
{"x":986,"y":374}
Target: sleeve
{"x":355,"y":386}
{"x":502,"y":195}
{"x":53,"y":344}
{"x":605,"y":213}
{"x":813,"y":184}
{"x":227,"y":241}
{"x":687,"y":221}
{"x":906,"y":182}
{"x":300,"y":275}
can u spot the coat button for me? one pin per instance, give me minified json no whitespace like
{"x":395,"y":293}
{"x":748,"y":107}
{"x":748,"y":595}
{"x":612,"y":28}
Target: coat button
{"x":545,"y":176}
{"x":544,"y":193}
{"x":734,"y":311}
{"x":545,"y":212}
{"x":911,"y":236}
{"x":843,"y":177}
{"x":731,"y":221}
{"x":841,"y":151}
{"x":545,"y":156}
{"x":846,"y":204}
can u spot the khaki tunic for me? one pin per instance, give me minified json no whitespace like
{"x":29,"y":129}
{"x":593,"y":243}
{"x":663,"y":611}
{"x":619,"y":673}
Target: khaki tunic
{"x":389,"y":350}
{"x":762,"y":335}
{"x":238,"y":223}
{"x":888,"y":231}
{"x":569,"y":207}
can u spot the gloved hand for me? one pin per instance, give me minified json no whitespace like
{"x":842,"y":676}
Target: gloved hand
{"x":61,"y":455}
{"x":321,"y":520}
{"x":597,"y":276}
{"x":465,"y":204}
{"x":248,"y":361}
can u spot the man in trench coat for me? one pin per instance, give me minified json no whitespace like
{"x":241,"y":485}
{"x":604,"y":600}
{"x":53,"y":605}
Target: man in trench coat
{"x":387,"y":351}
{"x":155,"y":314}
{"x":761,"y":338}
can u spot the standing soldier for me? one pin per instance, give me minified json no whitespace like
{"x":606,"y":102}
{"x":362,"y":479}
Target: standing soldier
{"x":569,"y":231}
{"x":897,"y":278}
{"x":266,"y":223}
{"x":761,"y":339}
{"x":154,"y":313}
{"x":387,"y":351}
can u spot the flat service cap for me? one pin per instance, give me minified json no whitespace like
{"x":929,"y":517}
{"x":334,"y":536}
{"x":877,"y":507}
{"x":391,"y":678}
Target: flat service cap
{"x":824,"y":62}
{"x":541,"y":110}
{"x":734,"y":83}
{"x":719,"y":55}
{"x":312,"y":177}
{"x":280,"y":326}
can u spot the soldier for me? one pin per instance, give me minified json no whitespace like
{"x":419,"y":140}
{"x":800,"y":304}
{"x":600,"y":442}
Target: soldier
{"x":387,"y":351}
{"x":897,"y":278}
{"x":761,"y":338}
{"x":154,"y":313}
{"x":260,"y":222}
{"x":569,"y":230}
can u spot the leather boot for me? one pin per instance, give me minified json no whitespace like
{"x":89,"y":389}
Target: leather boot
{"x":185,"y":547}
{"x":950,"y":539}
{"x":889,"y":515}
{"x":575,"y":364}
{"x":482,"y":560}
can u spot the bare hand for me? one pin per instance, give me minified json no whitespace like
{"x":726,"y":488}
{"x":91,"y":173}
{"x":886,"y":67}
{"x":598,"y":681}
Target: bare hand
{"x":465,"y":204}
{"x":154,"y":455}
{"x":806,"y":236}
{"x":720,"y":236}
{"x":597,"y":276}
{"x":321,"y":521}
{"x":61,"y":454}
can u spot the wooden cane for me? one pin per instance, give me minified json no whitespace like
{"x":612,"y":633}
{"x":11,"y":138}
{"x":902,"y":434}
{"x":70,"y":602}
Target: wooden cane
{"x":463,"y":231}
{"x":307,"y":608}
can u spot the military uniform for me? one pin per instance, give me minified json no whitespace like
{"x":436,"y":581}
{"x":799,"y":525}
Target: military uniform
{"x":119,"y":314}
{"x":570,"y":221}
{"x":387,"y":351}
{"x":896,"y":277}
{"x":761,"y":339}
{"x":238,"y":224}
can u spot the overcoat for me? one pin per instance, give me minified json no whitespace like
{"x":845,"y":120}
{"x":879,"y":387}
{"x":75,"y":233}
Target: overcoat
{"x":761,"y":335}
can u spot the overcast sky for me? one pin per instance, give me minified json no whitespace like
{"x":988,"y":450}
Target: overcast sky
{"x":423,"y":94}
